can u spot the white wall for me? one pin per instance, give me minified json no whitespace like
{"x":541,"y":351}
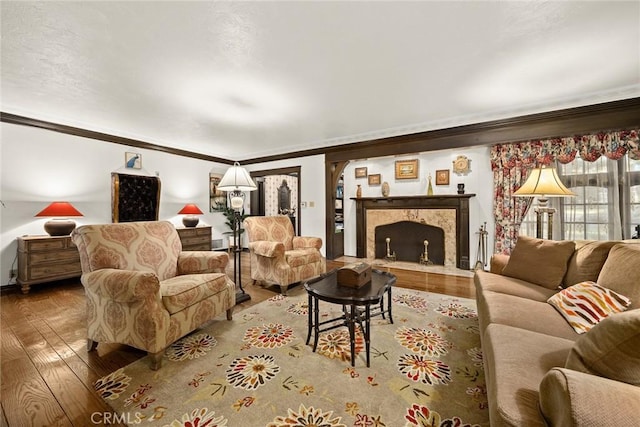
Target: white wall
{"x":40,"y":166}
{"x":478,"y":181}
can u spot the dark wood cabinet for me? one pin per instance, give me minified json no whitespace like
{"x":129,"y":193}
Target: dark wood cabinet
{"x":45,"y":259}
{"x":195,"y":238}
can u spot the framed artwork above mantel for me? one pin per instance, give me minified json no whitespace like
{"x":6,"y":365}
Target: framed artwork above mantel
{"x":407,"y":169}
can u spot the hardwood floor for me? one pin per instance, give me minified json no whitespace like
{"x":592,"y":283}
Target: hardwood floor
{"x":48,"y":375}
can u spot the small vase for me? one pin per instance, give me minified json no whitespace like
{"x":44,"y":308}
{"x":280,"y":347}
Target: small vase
{"x":359,"y":191}
{"x":385,"y":189}
{"x":430,"y":188}
{"x":460,"y":188}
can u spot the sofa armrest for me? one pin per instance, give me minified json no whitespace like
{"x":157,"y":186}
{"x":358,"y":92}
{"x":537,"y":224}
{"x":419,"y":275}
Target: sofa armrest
{"x":267,"y":248}
{"x":122,"y":285}
{"x":302,"y":242}
{"x":569,"y":397}
{"x":198,"y":262}
{"x":497,"y":263}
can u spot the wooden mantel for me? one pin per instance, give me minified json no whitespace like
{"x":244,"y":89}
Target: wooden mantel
{"x":459,"y":202}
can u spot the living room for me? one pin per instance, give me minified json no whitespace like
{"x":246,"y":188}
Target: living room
{"x":48,"y":154}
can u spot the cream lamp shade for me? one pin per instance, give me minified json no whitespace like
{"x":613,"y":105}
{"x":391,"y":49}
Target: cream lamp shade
{"x":59,"y":225}
{"x":190,"y":211}
{"x":236,"y":180}
{"x":543,"y":182}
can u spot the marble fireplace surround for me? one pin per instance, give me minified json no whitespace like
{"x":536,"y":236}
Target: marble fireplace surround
{"x":449,"y":212}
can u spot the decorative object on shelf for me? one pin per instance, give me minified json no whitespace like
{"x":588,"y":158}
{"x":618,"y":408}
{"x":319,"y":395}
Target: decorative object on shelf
{"x":190,"y":211}
{"x":407,"y":169}
{"x":461,"y":188}
{"x":385,"y":189}
{"x":361,"y":172}
{"x":424,"y":257}
{"x":461,"y":165}
{"x":543,"y":182}
{"x":442,"y":177}
{"x":59,"y":225}
{"x":359,"y":191}
{"x":374,"y":179}
{"x":236,"y":180}
{"x":217,"y":198}
{"x":132,"y":160}
{"x":429,"y":187}
{"x":390,"y":256}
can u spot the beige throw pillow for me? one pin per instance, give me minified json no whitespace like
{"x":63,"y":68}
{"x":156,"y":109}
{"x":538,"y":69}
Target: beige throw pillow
{"x":543,"y":262}
{"x":587,"y":261}
{"x":621,"y":271}
{"x":610,"y":349}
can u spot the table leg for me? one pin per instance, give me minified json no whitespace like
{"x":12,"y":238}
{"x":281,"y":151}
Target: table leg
{"x":309,"y":318}
{"x":389,"y":305}
{"x":316,"y":323}
{"x":382,"y":306}
{"x":367,"y":331}
{"x":352,"y":333}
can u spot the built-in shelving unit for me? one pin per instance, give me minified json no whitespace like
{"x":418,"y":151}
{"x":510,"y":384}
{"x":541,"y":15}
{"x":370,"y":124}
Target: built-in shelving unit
{"x":339,"y":206}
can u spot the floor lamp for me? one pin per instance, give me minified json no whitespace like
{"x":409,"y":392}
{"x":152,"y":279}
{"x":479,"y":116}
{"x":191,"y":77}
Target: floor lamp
{"x":543,"y":183}
{"x":236,"y":180}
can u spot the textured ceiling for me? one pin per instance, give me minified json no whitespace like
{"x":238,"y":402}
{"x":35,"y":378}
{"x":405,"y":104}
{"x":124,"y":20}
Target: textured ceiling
{"x":242,"y":80}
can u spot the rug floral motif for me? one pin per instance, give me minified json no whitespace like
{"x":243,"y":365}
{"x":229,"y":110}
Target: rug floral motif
{"x":256,"y":370}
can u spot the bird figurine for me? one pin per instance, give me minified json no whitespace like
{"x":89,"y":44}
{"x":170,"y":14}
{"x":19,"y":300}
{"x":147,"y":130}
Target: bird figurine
{"x":132,"y":161}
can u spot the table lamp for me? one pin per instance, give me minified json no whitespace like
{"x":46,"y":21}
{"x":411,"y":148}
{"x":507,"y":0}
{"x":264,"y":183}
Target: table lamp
{"x":543,"y":182}
{"x":190,"y":211}
{"x":59,"y":225}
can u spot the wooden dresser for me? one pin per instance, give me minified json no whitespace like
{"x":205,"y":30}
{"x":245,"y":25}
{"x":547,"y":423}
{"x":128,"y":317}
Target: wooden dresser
{"x":195,"y":238}
{"x":45,"y":259}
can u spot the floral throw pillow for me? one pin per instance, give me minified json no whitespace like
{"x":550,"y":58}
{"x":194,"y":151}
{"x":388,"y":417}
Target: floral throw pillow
{"x":585,"y":304}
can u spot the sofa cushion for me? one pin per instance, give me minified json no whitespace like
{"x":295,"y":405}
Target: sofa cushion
{"x":515,"y":362}
{"x":536,"y":316}
{"x":621,"y":271}
{"x":508,"y":285}
{"x":587,"y":261}
{"x":184,"y":291}
{"x":585,"y":304}
{"x":611,"y":349}
{"x":539,"y":261}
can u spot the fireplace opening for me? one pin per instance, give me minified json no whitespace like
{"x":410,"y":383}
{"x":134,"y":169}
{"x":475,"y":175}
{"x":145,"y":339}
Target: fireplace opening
{"x":407,"y":241}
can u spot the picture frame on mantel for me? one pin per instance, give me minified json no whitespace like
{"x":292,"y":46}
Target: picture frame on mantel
{"x":375,"y":179}
{"x":407,"y":169}
{"x":442,"y":177}
{"x":361,"y":172}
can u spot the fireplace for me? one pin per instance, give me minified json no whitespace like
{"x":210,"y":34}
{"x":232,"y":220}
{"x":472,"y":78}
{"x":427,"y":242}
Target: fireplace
{"x":406,"y":240}
{"x":448,"y":212}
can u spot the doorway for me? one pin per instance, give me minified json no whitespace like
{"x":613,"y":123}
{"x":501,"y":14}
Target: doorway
{"x":278,"y":194}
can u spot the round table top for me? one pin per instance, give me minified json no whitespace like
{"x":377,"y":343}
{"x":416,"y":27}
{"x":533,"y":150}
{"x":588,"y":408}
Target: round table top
{"x":327,"y":288}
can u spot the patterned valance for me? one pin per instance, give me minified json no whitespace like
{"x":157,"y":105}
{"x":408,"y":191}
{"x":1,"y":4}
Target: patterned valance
{"x":591,"y":147}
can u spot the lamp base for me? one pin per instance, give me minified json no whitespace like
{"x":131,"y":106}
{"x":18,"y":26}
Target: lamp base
{"x":59,"y":227}
{"x":242,"y":297}
{"x":190,"y":221}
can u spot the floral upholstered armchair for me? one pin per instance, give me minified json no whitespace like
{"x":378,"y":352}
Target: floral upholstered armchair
{"x":143,"y":290}
{"x":278,"y":256}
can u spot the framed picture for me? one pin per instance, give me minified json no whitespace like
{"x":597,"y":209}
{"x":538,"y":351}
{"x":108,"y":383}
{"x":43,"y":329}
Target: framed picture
{"x":442,"y":177}
{"x":407,"y":169}
{"x":217,"y":198}
{"x":132,"y":160}
{"x":375,"y":179}
{"x":361,"y":172}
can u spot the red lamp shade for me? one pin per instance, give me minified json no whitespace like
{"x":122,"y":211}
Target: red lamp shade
{"x":59,"y":227}
{"x":190,"y":210}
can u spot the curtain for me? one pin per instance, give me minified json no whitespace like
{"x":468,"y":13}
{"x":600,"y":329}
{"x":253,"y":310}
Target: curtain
{"x":510,"y":163}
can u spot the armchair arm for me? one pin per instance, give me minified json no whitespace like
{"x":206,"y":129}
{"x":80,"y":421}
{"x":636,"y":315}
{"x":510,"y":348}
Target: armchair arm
{"x":302,"y":242}
{"x":197,"y":262}
{"x":267,"y":248}
{"x":569,"y":397}
{"x":122,"y":285}
{"x":498,"y":262}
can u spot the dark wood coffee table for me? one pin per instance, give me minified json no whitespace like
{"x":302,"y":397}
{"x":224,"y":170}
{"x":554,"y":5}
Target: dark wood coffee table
{"x":356,"y":305}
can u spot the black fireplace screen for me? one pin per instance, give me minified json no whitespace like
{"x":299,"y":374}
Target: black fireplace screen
{"x":407,"y":241}
{"x":134,"y":197}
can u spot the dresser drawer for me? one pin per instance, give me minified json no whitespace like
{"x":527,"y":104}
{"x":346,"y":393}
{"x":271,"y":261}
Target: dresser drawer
{"x":49,"y":257}
{"x":54,"y":271}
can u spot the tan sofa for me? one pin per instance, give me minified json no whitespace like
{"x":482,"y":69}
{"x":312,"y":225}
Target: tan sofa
{"x":539,"y":371}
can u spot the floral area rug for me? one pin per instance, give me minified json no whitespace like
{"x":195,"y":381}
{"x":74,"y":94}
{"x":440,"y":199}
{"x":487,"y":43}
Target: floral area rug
{"x":256,"y":370}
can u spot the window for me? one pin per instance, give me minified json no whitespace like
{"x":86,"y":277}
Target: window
{"x":607,"y":202}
